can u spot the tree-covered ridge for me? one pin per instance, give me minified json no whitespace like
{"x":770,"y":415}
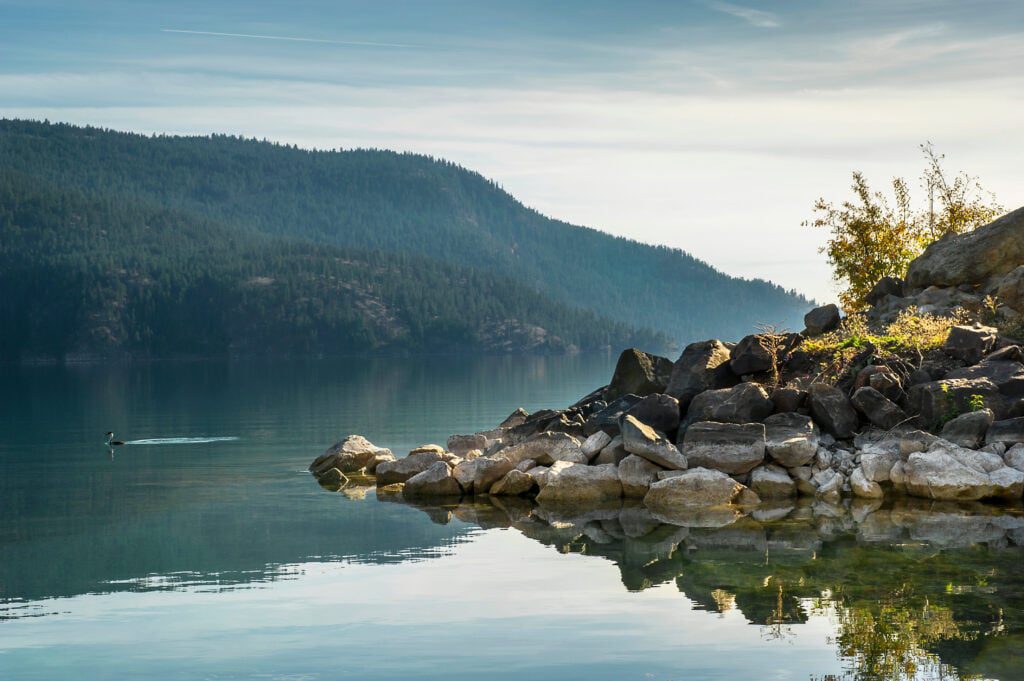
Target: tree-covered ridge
{"x":90,"y":272}
{"x":401,"y":203}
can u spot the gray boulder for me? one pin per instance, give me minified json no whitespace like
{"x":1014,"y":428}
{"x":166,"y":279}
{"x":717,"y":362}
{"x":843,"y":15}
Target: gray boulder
{"x":939,"y":475}
{"x":728,"y":447}
{"x":593,"y":445}
{"x":642,"y":440}
{"x":864,"y":488}
{"x":772,"y":482}
{"x":352,"y":454}
{"x":698,"y":487}
{"x":639,"y":373}
{"x":636,"y":475}
{"x":968,"y":430}
{"x":970,"y":343}
{"x":791,"y":439}
{"x":971,"y":258}
{"x":660,"y":412}
{"x":744,"y":403}
{"x":461,"y":444}
{"x":613,"y":453}
{"x":1010,"y":431}
{"x":702,"y":366}
{"x":435,"y":481}
{"x":936,"y":401}
{"x":751,"y":355}
{"x":832,"y":411}
{"x":787,"y":399}
{"x":1010,"y":290}
{"x":1007,"y":483}
{"x":1014,"y":457}
{"x":514,"y":483}
{"x":488,"y":471}
{"x":878,"y":408}
{"x":546,"y":448}
{"x":822,"y":320}
{"x":886,"y":286}
{"x":1007,"y":375}
{"x":607,"y":418}
{"x":575,"y":483}
{"x":401,"y":470}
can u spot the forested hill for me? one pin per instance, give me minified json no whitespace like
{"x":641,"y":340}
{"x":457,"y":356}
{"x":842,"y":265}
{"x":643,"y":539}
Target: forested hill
{"x":363,"y":250}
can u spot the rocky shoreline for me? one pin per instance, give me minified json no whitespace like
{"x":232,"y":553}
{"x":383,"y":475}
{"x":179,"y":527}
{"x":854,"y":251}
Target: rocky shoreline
{"x":771,"y":417}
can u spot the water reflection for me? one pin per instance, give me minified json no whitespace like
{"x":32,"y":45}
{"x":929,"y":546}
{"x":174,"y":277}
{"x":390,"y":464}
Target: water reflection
{"x":917,"y":589}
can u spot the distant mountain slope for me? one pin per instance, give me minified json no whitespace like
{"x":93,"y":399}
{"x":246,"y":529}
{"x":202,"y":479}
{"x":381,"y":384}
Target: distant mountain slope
{"x":86,"y":274}
{"x":401,"y":203}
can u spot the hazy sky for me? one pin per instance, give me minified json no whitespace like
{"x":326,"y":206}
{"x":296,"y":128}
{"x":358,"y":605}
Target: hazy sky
{"x":710,"y":126}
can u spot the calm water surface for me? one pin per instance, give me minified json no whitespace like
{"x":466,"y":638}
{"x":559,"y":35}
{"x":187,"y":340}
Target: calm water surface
{"x":223,"y":559}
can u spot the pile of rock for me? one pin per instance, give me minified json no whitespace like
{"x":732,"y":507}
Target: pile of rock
{"x":735,"y":424}
{"x":961,"y":271}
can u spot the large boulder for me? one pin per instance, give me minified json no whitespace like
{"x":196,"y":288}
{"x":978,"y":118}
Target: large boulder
{"x":593,"y":445}
{"x":639,"y":373}
{"x":1010,"y":431}
{"x":822,"y":320}
{"x":1007,"y":483}
{"x":772,"y":482}
{"x":636,"y":475}
{"x":744,"y":403}
{"x":352,"y":454}
{"x":968,"y":430}
{"x":878,"y":408}
{"x":640,"y":439}
{"x":575,"y":483}
{"x":936,"y":402}
{"x":660,"y":412}
{"x":514,"y":483}
{"x":702,"y":366}
{"x":435,"y":481}
{"x":970,"y":343}
{"x":488,"y":471}
{"x":1010,"y":290}
{"x":401,"y":470}
{"x":971,"y":258}
{"x":832,"y":411}
{"x":886,"y":286}
{"x":546,"y":448}
{"x":1006,"y":374}
{"x":460,"y":445}
{"x":791,"y":439}
{"x":614,"y":452}
{"x":752,"y":355}
{"x":1014,"y":457}
{"x":939,"y":475}
{"x":728,"y":447}
{"x":697,"y":487}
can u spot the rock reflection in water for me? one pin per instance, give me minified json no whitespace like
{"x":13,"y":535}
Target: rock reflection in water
{"x":917,"y":589}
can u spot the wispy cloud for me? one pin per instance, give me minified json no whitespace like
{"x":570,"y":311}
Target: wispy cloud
{"x":754,"y":17}
{"x":357,"y":43}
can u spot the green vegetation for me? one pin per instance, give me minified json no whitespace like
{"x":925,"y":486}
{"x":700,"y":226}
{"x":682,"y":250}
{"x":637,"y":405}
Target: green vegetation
{"x":114,"y":241}
{"x":871,"y":238}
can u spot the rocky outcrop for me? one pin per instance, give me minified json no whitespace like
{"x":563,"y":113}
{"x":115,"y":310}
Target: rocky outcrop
{"x":991,"y":251}
{"x":769,"y":418}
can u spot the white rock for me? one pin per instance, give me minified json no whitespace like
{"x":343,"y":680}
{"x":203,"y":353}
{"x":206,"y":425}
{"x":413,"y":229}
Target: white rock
{"x":863,"y":487}
{"x":700,"y":487}
{"x":576,"y":483}
{"x":637,"y":474}
{"x":772,"y":482}
{"x":939,"y":475}
{"x":640,"y":439}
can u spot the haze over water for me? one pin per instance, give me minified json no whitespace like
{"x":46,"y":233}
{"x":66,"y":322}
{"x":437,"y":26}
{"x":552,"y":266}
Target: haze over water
{"x":208,"y":557}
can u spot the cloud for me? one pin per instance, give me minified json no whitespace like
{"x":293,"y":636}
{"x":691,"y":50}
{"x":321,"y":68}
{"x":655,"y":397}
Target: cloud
{"x":357,"y":43}
{"x":754,"y":17}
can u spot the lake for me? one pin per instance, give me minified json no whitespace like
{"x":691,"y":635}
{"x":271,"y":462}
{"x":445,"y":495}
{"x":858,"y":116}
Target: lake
{"x":205,"y":557}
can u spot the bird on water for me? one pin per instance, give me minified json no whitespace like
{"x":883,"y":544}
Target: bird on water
{"x":111,"y":442}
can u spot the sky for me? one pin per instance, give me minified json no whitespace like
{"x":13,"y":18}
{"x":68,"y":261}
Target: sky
{"x":708,"y":126}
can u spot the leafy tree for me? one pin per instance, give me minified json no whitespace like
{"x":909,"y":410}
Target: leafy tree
{"x":872,"y":238}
